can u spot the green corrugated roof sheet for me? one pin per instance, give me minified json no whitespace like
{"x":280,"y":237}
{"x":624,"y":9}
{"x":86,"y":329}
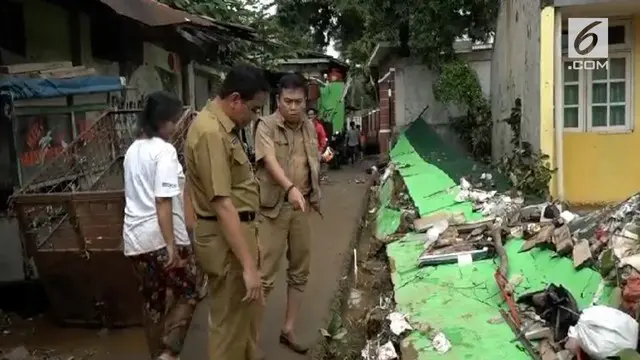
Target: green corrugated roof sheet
{"x":462,"y":302}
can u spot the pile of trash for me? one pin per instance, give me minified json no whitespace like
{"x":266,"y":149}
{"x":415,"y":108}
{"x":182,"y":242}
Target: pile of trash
{"x":551,"y":317}
{"x":385,"y":331}
{"x":606,"y":240}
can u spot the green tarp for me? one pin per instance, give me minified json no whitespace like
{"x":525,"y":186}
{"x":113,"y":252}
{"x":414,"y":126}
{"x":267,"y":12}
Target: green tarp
{"x":330,"y":107}
{"x":460,"y":301}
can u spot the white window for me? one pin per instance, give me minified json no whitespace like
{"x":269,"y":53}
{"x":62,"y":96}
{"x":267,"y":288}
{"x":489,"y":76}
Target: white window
{"x":599,"y":100}
{"x":573,"y":99}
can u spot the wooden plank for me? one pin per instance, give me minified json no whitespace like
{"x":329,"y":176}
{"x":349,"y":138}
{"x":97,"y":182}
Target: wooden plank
{"x":581,"y":254}
{"x":113,"y":218}
{"x":102,"y":231}
{"x":67,"y":73}
{"x":104,"y":243}
{"x":424,"y":223}
{"x":70,"y":68}
{"x":542,"y":237}
{"x":562,"y":240}
{"x":32,"y":67}
{"x":57,"y":198}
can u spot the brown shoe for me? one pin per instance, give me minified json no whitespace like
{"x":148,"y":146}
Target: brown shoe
{"x":297,"y":348}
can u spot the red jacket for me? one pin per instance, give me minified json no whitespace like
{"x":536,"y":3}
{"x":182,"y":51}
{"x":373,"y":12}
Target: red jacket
{"x":322,"y":135}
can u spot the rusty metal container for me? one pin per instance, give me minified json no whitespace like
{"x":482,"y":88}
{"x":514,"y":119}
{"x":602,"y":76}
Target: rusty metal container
{"x":71,"y":217}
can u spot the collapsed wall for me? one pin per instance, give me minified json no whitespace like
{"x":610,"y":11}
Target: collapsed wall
{"x":453,"y":308}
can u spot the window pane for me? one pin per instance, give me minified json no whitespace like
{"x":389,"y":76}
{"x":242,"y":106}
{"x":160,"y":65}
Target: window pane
{"x":617,"y":115}
{"x":571,"y":94}
{"x":617,"y":92}
{"x":599,"y":95}
{"x":599,"y":73}
{"x":617,"y":68}
{"x":616,"y":34}
{"x":599,"y":116}
{"x":571,"y":117}
{"x":570,"y":75}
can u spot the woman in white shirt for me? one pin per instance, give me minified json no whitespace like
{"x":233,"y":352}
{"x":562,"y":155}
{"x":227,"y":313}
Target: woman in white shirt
{"x":155,"y":236}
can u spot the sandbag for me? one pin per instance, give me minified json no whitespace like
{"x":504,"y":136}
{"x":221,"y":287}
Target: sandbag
{"x":603,"y":331}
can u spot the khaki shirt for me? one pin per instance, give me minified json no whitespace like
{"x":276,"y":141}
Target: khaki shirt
{"x":217,"y":163}
{"x":297,"y":153}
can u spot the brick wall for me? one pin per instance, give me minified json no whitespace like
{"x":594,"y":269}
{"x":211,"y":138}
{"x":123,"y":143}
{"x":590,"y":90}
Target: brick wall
{"x":387,"y":111}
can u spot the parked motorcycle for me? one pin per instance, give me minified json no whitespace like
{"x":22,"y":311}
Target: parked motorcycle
{"x":337,"y":144}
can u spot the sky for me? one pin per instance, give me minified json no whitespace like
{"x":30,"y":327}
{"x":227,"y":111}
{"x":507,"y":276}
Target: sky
{"x":330,"y":49}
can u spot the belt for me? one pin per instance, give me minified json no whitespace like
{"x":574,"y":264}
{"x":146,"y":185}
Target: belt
{"x":245,"y":216}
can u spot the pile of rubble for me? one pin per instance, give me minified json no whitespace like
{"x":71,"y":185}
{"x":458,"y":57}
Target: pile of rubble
{"x":606,"y":240}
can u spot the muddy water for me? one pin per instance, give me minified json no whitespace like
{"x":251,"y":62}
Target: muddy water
{"x":46,"y":340}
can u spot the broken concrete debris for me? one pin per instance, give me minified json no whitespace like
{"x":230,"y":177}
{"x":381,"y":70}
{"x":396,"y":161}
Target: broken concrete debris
{"x":607,"y":240}
{"x":399,"y":324}
{"x":441,"y":344}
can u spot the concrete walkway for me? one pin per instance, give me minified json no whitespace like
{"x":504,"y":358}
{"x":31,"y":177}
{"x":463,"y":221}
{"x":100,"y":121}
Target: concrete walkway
{"x":342,"y":200}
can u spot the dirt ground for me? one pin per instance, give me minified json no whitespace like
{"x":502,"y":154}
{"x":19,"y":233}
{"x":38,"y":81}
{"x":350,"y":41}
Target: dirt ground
{"x":360,"y":324}
{"x":342,"y":208}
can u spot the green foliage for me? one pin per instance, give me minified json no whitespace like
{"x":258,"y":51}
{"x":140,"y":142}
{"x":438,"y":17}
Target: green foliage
{"x":529,"y":172}
{"x":458,"y":84}
{"x":427,"y":28}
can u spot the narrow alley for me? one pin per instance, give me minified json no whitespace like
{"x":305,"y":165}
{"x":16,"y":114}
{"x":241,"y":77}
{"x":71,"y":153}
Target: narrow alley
{"x":343,"y":205}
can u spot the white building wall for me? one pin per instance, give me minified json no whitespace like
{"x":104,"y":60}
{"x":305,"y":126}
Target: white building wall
{"x":414,"y":89}
{"x":515,"y":73}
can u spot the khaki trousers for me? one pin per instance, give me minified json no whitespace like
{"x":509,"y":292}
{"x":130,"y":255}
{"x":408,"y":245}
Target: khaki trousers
{"x":232,"y":323}
{"x":288,"y":233}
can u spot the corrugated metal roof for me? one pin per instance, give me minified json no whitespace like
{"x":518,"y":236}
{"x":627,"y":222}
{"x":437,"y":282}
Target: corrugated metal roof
{"x":153,"y":13}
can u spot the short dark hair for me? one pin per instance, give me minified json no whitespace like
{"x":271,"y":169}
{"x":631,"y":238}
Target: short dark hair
{"x":352,"y":124}
{"x":246,"y":80}
{"x":160,"y":107}
{"x":292,"y":81}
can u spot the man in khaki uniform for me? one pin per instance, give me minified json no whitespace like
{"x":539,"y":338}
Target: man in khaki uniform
{"x":225,"y":197}
{"x":287,"y":170}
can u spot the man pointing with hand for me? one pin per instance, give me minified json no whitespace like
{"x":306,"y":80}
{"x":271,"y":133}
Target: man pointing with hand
{"x":287,"y":168}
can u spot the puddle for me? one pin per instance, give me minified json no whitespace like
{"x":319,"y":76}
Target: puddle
{"x":39,"y":337}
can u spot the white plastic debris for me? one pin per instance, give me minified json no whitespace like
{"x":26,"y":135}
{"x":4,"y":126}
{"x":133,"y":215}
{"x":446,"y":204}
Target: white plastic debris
{"x":462,"y":196}
{"x":387,"y":352}
{"x":387,"y":173}
{"x":568,"y":216}
{"x":464,"y":184}
{"x":399,"y":323}
{"x":440,"y":343}
{"x":625,"y":243}
{"x":603,"y":331}
{"x":436,"y":230}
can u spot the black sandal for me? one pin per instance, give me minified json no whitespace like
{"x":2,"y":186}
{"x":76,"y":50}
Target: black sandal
{"x":297,"y":348}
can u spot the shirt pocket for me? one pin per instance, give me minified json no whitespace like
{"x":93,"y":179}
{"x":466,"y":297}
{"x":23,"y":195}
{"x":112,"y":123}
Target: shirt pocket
{"x":240,"y":166}
{"x":281,"y":146}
